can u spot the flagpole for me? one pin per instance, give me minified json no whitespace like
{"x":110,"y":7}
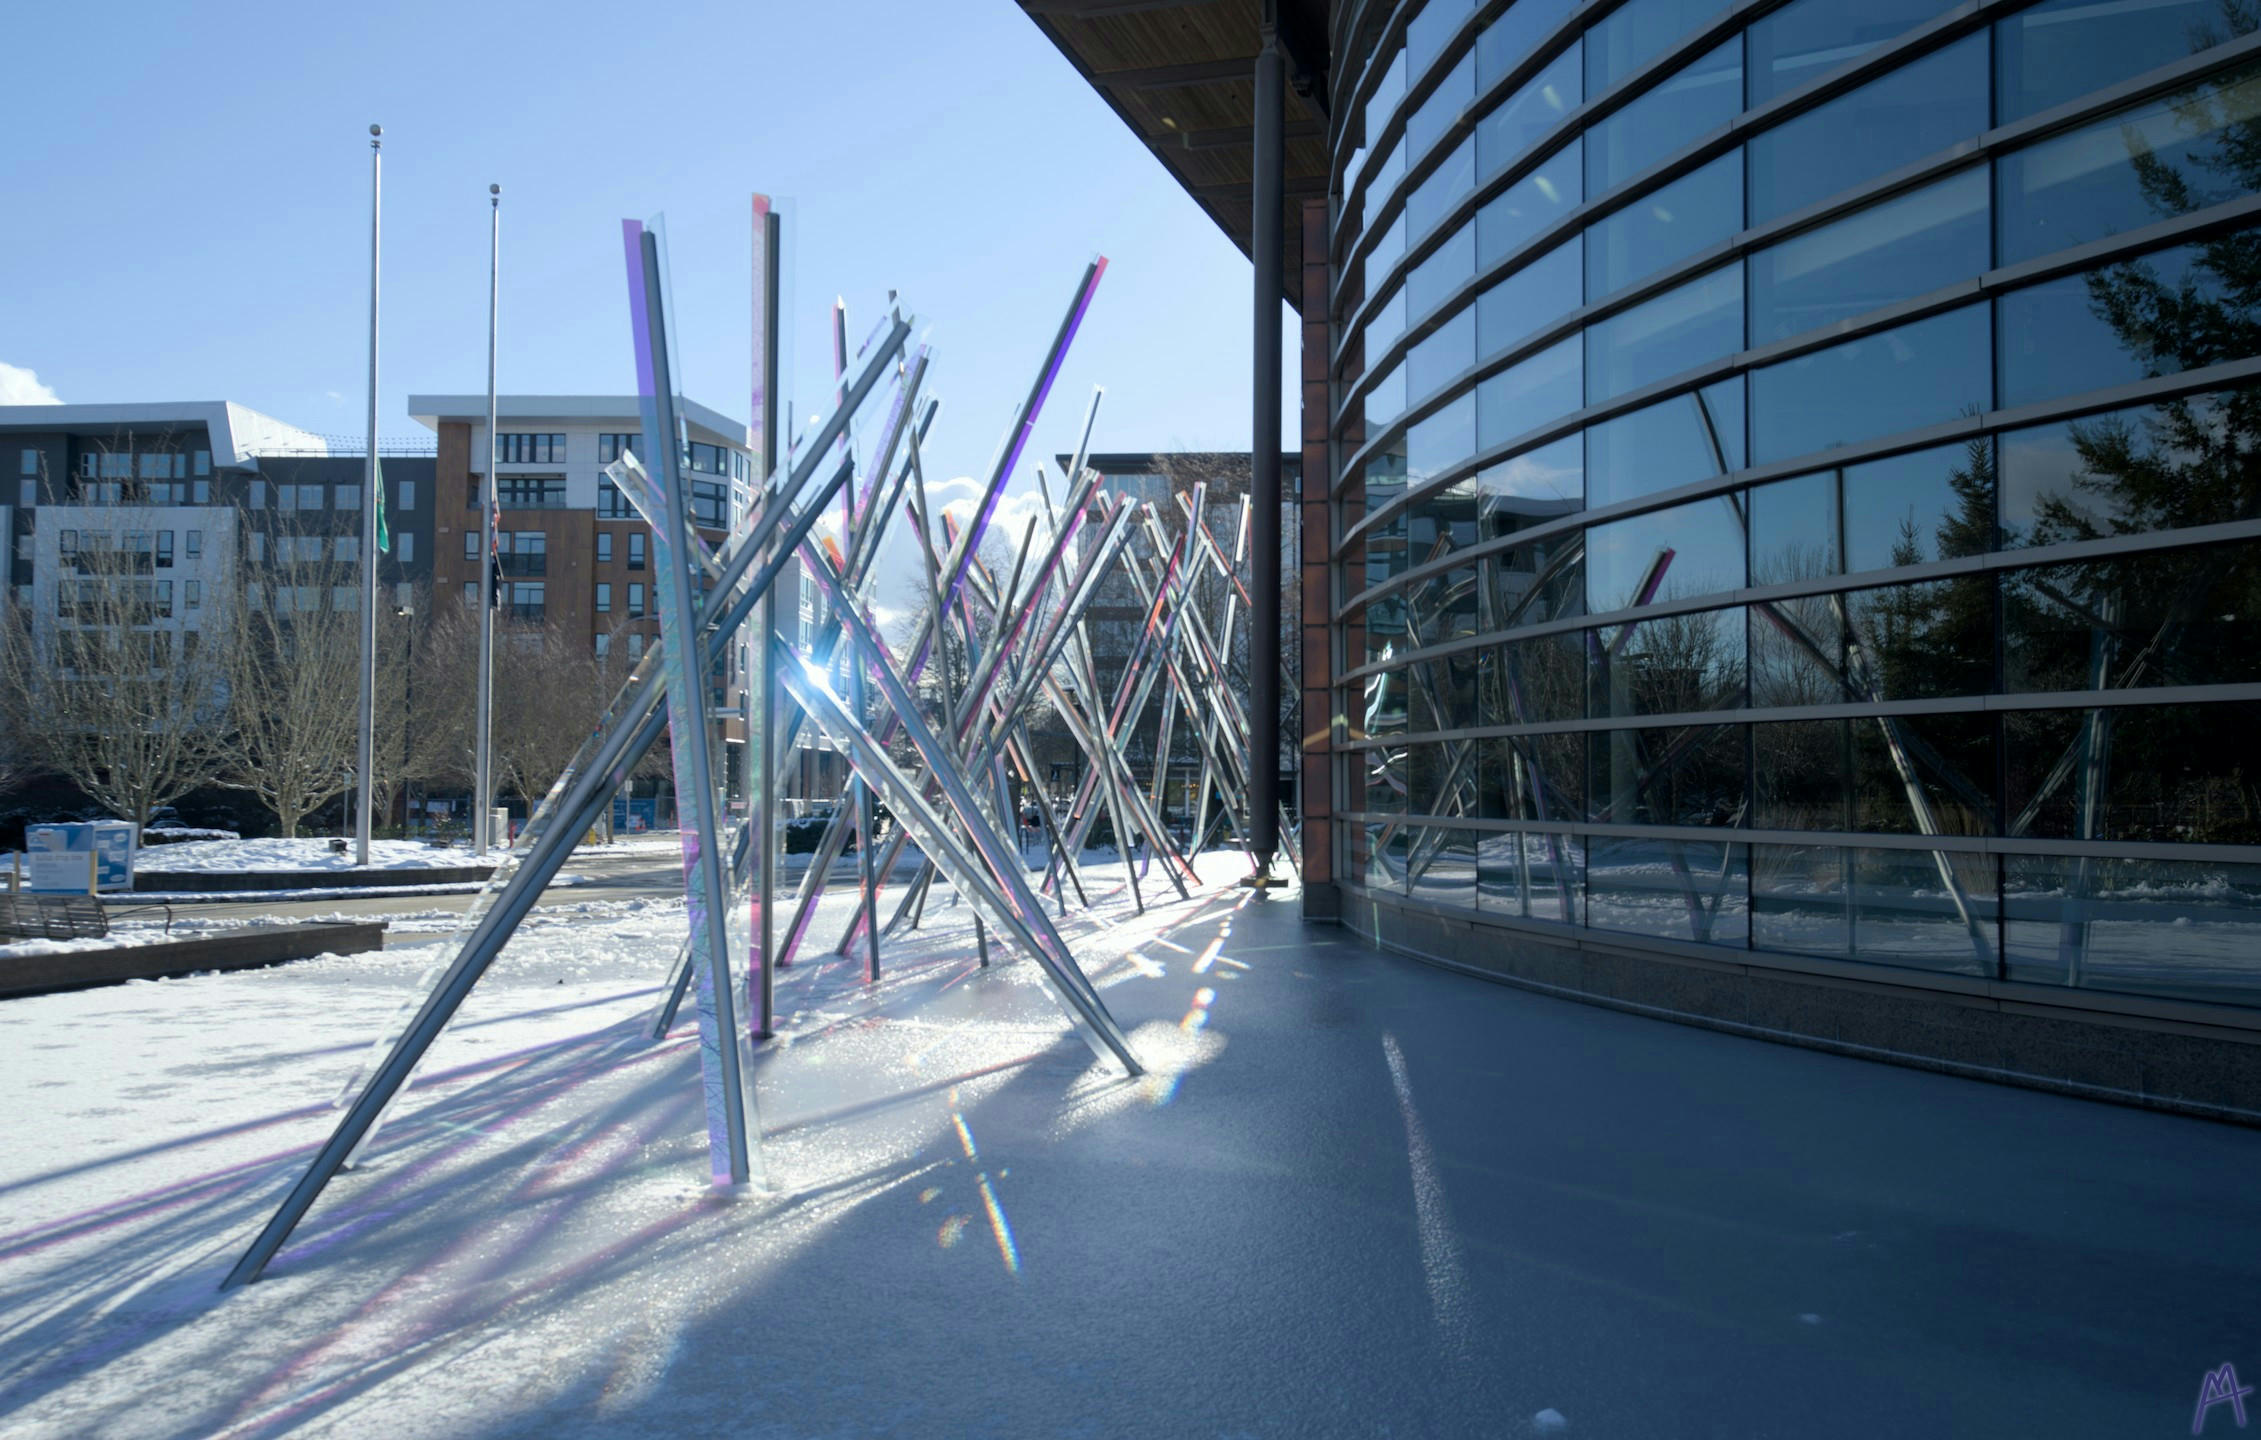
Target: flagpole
{"x":483,"y":768}
{"x":369,"y":502}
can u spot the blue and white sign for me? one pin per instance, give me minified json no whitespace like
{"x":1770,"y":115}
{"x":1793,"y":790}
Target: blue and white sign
{"x":64,"y":858}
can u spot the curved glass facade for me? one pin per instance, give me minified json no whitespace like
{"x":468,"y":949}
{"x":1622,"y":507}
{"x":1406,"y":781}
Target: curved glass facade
{"x":1799,"y":479}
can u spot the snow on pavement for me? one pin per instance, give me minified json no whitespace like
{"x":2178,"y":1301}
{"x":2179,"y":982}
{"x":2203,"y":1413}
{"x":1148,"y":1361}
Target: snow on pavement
{"x":534,"y":1226}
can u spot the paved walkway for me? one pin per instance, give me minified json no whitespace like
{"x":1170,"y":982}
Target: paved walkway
{"x":1358,"y":1196}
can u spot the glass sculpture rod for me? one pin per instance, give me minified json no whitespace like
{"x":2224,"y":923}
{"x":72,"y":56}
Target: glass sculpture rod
{"x":611,"y":758}
{"x":733,"y":1120}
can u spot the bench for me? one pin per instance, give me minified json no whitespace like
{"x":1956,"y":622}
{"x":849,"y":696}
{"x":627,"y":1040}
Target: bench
{"x":52,"y":917}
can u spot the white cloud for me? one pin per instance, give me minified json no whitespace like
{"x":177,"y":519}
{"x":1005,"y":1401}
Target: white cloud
{"x":333,"y":394}
{"x":19,"y":386}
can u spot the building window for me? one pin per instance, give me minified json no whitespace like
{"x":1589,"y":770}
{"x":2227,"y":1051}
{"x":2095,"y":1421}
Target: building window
{"x":346,"y":549}
{"x":471,"y":546}
{"x":604,"y":547}
{"x":203,"y":462}
{"x":636,"y":550}
{"x":604,"y":646}
{"x":67,"y":544}
{"x":195,"y":544}
{"x":403,"y":593}
{"x":526,"y":600}
{"x":27,"y":493}
{"x":529,"y":449}
{"x":532,"y":492}
{"x":404,"y":494}
{"x":164,"y":549}
{"x":604,"y":597}
{"x":612,"y":447}
{"x":29,"y":465}
{"x":345,"y":597}
{"x":471,"y":592}
{"x":404,"y":547}
{"x":202,"y":490}
{"x":635,"y":646}
{"x":258,"y":497}
{"x":712,"y":459}
{"x":636,"y":600}
{"x":192,"y":594}
{"x":349,"y":497}
{"x":611,"y":504}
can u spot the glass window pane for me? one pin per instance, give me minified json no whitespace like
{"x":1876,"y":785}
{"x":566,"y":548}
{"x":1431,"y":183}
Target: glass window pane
{"x":2183,"y":928}
{"x":1897,"y":118}
{"x":1799,"y":774}
{"x":1798,"y":899}
{"x":1811,"y":38}
{"x":1670,"y":665}
{"x":1902,"y":248}
{"x":1448,"y":351}
{"x":1924,"y":774}
{"x":1935,"y":504}
{"x":1928,"y":908}
{"x":1442,"y":107}
{"x":1543,"y":680}
{"x":1529,"y":394}
{"x":2180,"y":774}
{"x":1915,"y":642}
{"x":1429,"y":29}
{"x":1446,"y":270}
{"x":1512,"y":218}
{"x":1698,"y":210}
{"x":2063,"y":49}
{"x":1443,"y":867}
{"x":1523,"y":119}
{"x":1534,"y":876}
{"x":1794,"y":529}
{"x":1674,"y":889}
{"x":1635,"y":33}
{"x":1386,"y":400}
{"x":1674,"y":442}
{"x":2145,"y":164}
{"x":1386,"y":324}
{"x":2158,"y":467}
{"x":1705,"y":94}
{"x":2183,"y":618}
{"x":1919,"y":374}
{"x":1511,"y":36}
{"x":1674,"y":775}
{"x":1441,"y":441}
{"x":1527,"y":301}
{"x":1670,"y":554}
{"x":1684,"y":327}
{"x":1387,"y":251}
{"x":2155,"y":314}
{"x":1430,"y":199}
{"x":1535,"y":486}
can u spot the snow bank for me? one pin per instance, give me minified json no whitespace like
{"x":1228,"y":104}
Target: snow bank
{"x":313,"y":853}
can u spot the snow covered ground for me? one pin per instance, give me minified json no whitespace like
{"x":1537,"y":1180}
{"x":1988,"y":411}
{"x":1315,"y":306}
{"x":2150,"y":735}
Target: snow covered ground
{"x":305,"y":853}
{"x":534,"y":1224}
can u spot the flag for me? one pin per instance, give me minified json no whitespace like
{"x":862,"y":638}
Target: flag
{"x":384,"y":531}
{"x":494,"y":557}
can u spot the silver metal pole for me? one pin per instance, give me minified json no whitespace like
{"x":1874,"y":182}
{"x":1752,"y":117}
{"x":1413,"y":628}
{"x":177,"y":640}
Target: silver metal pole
{"x":483,"y":771}
{"x":365,"y":756}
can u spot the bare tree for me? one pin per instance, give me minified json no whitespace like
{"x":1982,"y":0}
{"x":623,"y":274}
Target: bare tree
{"x":105,"y":692}
{"x":294,"y":678}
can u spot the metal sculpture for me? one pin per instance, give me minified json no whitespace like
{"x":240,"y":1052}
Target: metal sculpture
{"x":1021,"y":638}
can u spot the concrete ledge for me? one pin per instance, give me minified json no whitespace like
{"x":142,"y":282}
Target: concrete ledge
{"x":245,"y":950}
{"x":177,"y":882}
{"x":2171,"y":1056}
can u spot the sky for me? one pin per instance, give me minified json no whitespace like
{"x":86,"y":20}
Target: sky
{"x":188,"y":191}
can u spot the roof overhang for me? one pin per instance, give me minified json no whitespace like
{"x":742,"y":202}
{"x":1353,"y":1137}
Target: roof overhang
{"x":1181,"y":74}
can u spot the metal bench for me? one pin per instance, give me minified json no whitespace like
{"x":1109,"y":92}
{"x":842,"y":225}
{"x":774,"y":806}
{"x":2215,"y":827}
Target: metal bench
{"x":52,"y":917}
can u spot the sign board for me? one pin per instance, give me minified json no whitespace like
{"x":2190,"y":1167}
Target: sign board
{"x":58,"y":857}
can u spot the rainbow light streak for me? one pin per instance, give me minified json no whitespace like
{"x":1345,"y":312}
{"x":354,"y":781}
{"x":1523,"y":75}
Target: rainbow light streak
{"x":999,"y":1228}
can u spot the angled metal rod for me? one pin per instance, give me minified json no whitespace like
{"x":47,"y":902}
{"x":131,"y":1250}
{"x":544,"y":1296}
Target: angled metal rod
{"x":635,"y":727}
{"x":1008,"y":898}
